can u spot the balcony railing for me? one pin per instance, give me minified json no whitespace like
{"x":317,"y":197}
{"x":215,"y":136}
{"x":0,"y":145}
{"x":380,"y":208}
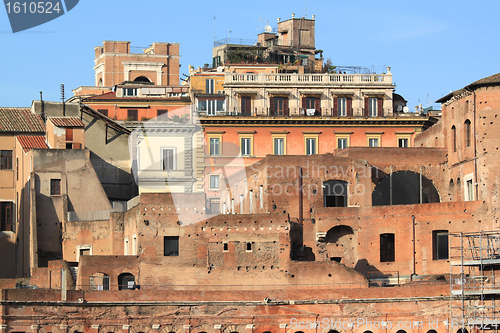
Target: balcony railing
{"x":161,"y":175}
{"x":324,"y":79}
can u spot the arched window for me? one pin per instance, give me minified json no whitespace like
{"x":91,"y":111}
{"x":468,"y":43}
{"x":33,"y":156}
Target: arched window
{"x":126,"y":281}
{"x":404,"y":188}
{"x":467,"y":133}
{"x":454,"y":138}
{"x":142,"y":79}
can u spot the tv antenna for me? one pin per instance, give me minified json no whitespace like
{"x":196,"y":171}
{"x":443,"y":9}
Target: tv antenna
{"x":214,"y":30}
{"x":305,"y":9}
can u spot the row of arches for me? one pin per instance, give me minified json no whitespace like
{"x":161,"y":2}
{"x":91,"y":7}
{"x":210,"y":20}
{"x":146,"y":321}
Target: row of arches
{"x":467,"y":139}
{"x":397,"y":188}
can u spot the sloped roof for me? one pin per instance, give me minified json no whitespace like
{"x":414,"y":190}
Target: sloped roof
{"x":490,"y":80}
{"x":66,"y":121}
{"x":29,"y":142}
{"x":20,"y":120}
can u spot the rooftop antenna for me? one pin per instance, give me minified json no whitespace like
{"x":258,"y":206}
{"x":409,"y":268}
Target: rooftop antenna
{"x":63,"y":99}
{"x":261,"y":26}
{"x":229,"y":36}
{"x":305,"y":9}
{"x":214,"y":30}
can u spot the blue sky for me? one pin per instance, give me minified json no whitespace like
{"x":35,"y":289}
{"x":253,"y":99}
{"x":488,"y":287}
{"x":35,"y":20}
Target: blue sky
{"x":432,"y":46}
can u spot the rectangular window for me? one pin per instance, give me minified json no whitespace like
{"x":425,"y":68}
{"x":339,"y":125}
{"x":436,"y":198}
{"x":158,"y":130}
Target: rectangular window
{"x":168,"y":159}
{"x":440,"y":244}
{"x":161,"y":112}
{"x":342,"y":143}
{"x":372,"y":107}
{"x":226,"y":247}
{"x":129,"y":92}
{"x":55,"y":187}
{"x":132,"y":115}
{"x":103,"y":111}
{"x":6,"y":160}
{"x":279,"y":146}
{"x":246,"y":146}
{"x":403,"y":143}
{"x":387,"y":252}
{"x":213,"y":206}
{"x":310,"y":146}
{"x":246,"y":105}
{"x":214,"y":147}
{"x":214,"y":181}
{"x":470,"y":190}
{"x":373,"y":142}
{"x":171,"y":246}
{"x":6,"y":216}
{"x":209,"y":86}
{"x":342,"y":106}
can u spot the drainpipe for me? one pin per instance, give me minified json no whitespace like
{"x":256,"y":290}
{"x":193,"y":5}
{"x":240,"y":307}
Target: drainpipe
{"x":475,"y":149}
{"x":390,"y":187}
{"x":301,"y":198}
{"x":414,"y":259}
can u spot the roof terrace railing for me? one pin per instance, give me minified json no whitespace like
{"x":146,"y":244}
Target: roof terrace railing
{"x":312,"y":79}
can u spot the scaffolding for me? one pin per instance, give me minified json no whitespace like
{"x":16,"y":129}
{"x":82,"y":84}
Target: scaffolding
{"x":475,"y":290}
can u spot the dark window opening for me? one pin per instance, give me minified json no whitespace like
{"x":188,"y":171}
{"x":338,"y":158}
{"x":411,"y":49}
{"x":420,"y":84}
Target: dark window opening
{"x":55,"y":187}
{"x":132,"y":115}
{"x":440,"y":244}
{"x":249,"y":246}
{"x":171,"y":246}
{"x":6,"y":216}
{"x":161,"y":112}
{"x":69,"y":145}
{"x":6,"y":160}
{"x":337,"y":259}
{"x":142,"y":79}
{"x":246,"y":105}
{"x":454,"y":138}
{"x":404,"y":188}
{"x":126,"y":281}
{"x":403,"y":143}
{"x":387,"y":252}
{"x":335,"y":193}
{"x":467,"y":133}
{"x":226,"y":247}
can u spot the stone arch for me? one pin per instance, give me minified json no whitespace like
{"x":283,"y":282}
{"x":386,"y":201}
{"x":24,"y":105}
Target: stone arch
{"x":340,"y":245}
{"x":142,"y":79}
{"x":403,"y":188}
{"x":76,"y":329}
{"x":126,"y":281}
{"x":233,"y":328}
{"x":432,"y":331}
{"x":99,"y":281}
{"x":170,"y":328}
{"x":110,"y":329}
{"x":267,"y":329}
{"x":202,"y":329}
{"x":140,"y":329}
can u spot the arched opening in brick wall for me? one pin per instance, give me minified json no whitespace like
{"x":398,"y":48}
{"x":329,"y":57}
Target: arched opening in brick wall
{"x":99,"y":281}
{"x":340,"y":245}
{"x":404,"y":188}
{"x":142,"y":79}
{"x":126,"y":281}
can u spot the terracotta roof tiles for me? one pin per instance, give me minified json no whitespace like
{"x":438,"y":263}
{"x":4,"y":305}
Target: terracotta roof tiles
{"x":29,"y":142}
{"x":20,"y":120}
{"x":66,"y":121}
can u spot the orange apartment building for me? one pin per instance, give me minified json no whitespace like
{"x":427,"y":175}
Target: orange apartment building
{"x":135,"y":86}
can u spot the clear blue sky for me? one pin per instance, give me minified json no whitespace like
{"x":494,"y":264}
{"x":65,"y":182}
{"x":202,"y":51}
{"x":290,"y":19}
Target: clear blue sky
{"x":432,"y":46}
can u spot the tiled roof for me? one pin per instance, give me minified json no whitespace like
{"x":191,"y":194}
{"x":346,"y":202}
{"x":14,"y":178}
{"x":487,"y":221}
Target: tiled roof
{"x":495,"y":78}
{"x":66,"y":121}
{"x":29,"y":142}
{"x":20,"y":120}
{"x":109,"y":95}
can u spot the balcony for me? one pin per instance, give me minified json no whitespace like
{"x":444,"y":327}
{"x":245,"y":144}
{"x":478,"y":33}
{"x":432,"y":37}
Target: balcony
{"x":310,"y":79}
